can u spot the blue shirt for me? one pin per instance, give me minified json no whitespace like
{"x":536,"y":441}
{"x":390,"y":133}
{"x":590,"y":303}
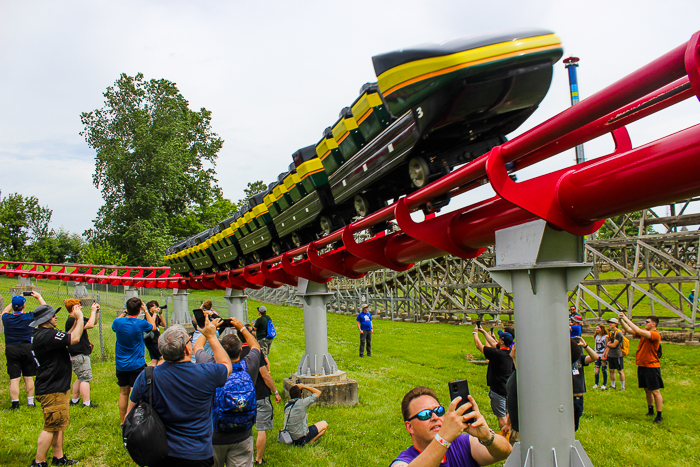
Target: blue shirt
{"x":17,"y":330}
{"x":129,"y":350}
{"x":183,"y":394}
{"x":574,"y":330}
{"x":365,"y":320}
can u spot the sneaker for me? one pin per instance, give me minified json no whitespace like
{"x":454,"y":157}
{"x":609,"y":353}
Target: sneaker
{"x":362,"y":356}
{"x":658,"y":420}
{"x":74,"y":403}
{"x":595,"y":386}
{"x":63,"y":461}
{"x":91,"y":406}
{"x":612,"y":386}
{"x":262,"y":461}
{"x":650,"y":413}
{"x":603,"y":388}
{"x":39,"y":464}
{"x":622,"y":389}
{"x":31,"y":406}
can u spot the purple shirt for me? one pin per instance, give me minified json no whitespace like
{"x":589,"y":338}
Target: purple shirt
{"x":458,"y":455}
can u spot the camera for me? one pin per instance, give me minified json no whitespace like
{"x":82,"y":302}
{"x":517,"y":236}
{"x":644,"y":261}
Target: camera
{"x":164,"y":307}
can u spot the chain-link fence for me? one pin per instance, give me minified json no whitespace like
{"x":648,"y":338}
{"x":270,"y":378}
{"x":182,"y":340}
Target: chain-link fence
{"x":111,"y":300}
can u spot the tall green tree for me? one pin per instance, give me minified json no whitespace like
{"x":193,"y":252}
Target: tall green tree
{"x":23,"y":222}
{"x":154,"y":164}
{"x":59,"y":246}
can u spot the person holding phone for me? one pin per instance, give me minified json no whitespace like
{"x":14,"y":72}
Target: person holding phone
{"x":436,"y":433}
{"x":129,"y":349}
{"x":499,"y":369}
{"x":18,"y":347}
{"x":80,"y":353}
{"x":151,"y":338}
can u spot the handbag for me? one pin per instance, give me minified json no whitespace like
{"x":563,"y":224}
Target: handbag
{"x":284,"y":436}
{"x":143,"y":430}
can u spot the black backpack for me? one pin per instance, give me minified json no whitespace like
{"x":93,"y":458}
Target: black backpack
{"x":143,"y":430}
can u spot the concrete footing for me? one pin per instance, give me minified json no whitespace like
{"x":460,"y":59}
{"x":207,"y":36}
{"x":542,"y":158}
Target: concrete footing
{"x":336,"y":389}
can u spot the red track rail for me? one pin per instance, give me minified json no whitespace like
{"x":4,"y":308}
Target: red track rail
{"x":576,"y":199}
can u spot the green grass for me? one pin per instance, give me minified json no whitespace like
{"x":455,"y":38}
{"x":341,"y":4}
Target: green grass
{"x":614,"y":429}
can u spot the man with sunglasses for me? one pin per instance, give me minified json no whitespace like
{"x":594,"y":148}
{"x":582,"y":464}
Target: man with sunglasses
{"x":648,"y":363}
{"x":437,"y":434}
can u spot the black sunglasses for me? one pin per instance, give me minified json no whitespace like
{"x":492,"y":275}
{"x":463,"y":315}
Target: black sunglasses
{"x":428,"y":413}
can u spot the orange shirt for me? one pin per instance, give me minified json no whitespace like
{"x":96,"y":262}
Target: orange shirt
{"x":646,"y":352}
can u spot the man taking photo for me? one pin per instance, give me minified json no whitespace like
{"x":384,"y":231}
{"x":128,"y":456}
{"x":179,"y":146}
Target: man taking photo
{"x":648,"y":363}
{"x":50,"y":348}
{"x":129,"y":349}
{"x":436,"y":433}
{"x":499,"y":369}
{"x":18,"y":348}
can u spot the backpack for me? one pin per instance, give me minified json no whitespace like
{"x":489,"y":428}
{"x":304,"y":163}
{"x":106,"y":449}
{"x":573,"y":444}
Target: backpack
{"x":143,"y":430}
{"x":235,"y":404}
{"x":659,"y":352}
{"x":271,"y":333}
{"x":624,"y":344}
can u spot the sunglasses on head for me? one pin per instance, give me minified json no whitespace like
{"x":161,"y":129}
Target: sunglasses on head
{"x":428,"y":413}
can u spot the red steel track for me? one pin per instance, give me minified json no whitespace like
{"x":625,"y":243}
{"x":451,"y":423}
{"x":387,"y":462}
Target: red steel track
{"x":577,"y":199}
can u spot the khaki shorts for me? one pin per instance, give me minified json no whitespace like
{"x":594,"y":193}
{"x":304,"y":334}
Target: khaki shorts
{"x":55,"y":408}
{"x":82,"y":367}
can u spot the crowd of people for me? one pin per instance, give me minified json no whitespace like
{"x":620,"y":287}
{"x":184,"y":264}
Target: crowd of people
{"x":211,"y":386}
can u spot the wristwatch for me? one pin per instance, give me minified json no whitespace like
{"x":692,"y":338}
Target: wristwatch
{"x":277,"y":392}
{"x":442,"y":441}
{"x":490,"y":441}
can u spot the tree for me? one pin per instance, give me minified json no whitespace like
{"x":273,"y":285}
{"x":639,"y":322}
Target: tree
{"x":102,"y":253}
{"x":58,"y":247}
{"x":251,"y":190}
{"x":154,"y":164}
{"x":23,"y":222}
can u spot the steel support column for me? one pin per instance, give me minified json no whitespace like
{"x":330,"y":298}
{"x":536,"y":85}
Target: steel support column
{"x":317,"y":361}
{"x":181,"y":313}
{"x":539,"y":265}
{"x":130,"y":292}
{"x":236,"y":304}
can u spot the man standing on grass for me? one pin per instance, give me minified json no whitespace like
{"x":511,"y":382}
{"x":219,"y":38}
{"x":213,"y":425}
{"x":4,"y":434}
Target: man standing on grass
{"x":233,"y":448}
{"x":129,"y":349}
{"x":366,"y":328}
{"x":648,"y":363}
{"x":264,"y":390}
{"x":183,"y":394}
{"x":260,"y":327}
{"x":614,"y":357}
{"x":50,"y":349}
{"x":80,"y":354}
{"x":499,"y":369}
{"x":437,"y":438}
{"x":18,"y":348}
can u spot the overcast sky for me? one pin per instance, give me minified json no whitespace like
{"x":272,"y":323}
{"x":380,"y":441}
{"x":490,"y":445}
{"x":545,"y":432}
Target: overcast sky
{"x":275,"y":74}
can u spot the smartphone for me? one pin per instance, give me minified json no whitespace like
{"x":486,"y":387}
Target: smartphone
{"x":478,"y":323}
{"x":27,"y":294}
{"x":199,"y":316}
{"x":459,"y":388}
{"x":225,"y":323}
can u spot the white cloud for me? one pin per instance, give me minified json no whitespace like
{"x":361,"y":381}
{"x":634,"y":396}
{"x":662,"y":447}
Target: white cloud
{"x":274,"y":74}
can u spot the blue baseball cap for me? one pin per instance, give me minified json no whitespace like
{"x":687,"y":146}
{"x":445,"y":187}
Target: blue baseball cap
{"x":507,"y":337}
{"x":18,"y":302}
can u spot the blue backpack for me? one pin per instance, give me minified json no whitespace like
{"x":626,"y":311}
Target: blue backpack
{"x":271,"y":333}
{"x":235,"y":405}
